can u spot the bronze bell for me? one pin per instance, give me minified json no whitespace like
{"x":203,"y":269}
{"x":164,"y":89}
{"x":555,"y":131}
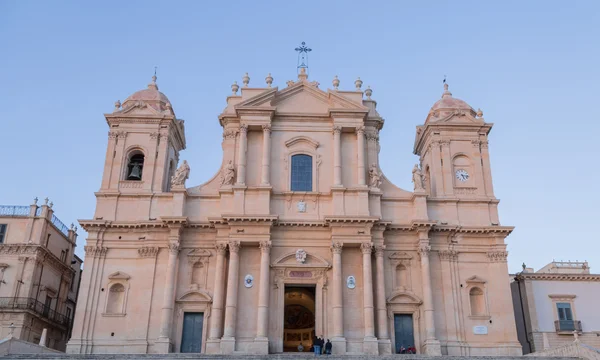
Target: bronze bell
{"x":136,"y":172}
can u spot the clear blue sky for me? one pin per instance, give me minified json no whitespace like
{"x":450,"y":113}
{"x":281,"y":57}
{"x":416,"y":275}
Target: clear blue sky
{"x":531,"y":66}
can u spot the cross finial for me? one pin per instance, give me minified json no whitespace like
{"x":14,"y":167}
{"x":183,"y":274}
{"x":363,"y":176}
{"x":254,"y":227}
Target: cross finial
{"x":303,"y":51}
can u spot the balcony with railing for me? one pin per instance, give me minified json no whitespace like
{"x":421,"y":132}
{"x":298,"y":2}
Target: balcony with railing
{"x":31,"y":304}
{"x":567,"y":326}
{"x":23,"y":211}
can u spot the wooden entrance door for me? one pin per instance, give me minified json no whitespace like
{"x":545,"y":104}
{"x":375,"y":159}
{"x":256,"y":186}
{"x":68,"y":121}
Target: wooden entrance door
{"x":403,"y":329}
{"x":191,"y":339}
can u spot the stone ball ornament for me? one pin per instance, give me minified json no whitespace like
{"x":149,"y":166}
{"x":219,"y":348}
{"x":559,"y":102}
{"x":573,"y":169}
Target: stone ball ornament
{"x":248,"y":281}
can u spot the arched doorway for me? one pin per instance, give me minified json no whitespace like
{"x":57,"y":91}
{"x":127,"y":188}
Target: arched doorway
{"x":299,"y":317}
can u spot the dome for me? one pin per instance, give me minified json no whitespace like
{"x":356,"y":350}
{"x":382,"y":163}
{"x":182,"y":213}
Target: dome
{"x":448,"y":102}
{"x":150,"y":96}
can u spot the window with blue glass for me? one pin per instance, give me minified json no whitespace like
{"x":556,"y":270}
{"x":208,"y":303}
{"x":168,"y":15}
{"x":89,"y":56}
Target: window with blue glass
{"x":302,"y":172}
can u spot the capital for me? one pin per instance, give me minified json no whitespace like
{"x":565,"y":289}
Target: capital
{"x":266,"y":128}
{"x":366,"y":248}
{"x":221,"y":248}
{"x":424,"y":248}
{"x":234,"y":246}
{"x":265,"y":246}
{"x":336,"y":247}
{"x":379,"y":250}
{"x":337,"y":130}
{"x":243,"y":128}
{"x":360,"y":130}
{"x":174,"y":248}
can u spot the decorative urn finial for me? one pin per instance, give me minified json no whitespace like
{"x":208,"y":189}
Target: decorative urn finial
{"x":246,"y":80}
{"x":479,"y":113}
{"x":368,"y":92}
{"x":358,"y":83}
{"x":234,"y":88}
{"x":35,"y":200}
{"x":269,"y":80}
{"x":51,"y":205}
{"x":336,"y":82}
{"x":72,"y":226}
{"x":117,"y":105}
{"x":46,"y":201}
{"x":302,"y":76}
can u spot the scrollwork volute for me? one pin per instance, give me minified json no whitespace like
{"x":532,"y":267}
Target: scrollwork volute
{"x":221,"y":248}
{"x":174,"y":248}
{"x":424,"y":249}
{"x":265,"y":246}
{"x":360,"y":130}
{"x":336,"y":130}
{"x":336,"y":247}
{"x":229,"y":134}
{"x":243,"y":128}
{"x":234,"y":246}
{"x":266,"y":129}
{"x":379,"y":250}
{"x":366,"y":248}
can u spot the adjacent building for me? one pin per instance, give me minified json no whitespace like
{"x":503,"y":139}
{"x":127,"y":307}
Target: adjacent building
{"x":39,"y":274}
{"x":298,"y":234}
{"x":554,"y":302}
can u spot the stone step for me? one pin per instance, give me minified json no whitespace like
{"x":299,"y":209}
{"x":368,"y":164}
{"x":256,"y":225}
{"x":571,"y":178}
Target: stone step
{"x":261,"y":357}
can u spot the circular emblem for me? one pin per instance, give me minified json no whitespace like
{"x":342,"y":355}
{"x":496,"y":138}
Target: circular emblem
{"x":351,"y":282}
{"x":248,"y":281}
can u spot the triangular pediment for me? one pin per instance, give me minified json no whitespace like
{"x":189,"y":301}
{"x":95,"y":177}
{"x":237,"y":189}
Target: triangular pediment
{"x":140,"y":108}
{"x":302,"y":97}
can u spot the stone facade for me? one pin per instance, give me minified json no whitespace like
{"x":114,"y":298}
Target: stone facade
{"x":39,"y":274}
{"x":298,"y":234}
{"x":553,"y":302}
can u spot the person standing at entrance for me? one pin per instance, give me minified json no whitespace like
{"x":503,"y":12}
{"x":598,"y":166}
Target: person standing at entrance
{"x":328,"y":346}
{"x":317,"y":346}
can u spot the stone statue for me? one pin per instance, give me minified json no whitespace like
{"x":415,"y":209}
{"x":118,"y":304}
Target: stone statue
{"x":374,"y":176}
{"x":417,"y":178}
{"x":181,"y":175}
{"x":228,"y":174}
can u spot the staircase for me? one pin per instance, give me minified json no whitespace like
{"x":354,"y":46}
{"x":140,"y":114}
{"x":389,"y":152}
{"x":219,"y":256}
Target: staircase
{"x":261,"y":357}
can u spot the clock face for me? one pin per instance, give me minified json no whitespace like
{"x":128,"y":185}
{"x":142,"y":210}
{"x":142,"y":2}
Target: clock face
{"x":462,"y":175}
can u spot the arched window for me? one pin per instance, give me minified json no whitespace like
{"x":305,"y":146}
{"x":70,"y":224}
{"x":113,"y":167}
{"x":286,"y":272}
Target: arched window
{"x":135,"y":165}
{"x":302,"y":173}
{"x":477,"y":301}
{"x":116,"y":297}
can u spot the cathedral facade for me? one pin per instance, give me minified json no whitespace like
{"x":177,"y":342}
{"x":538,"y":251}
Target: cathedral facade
{"x":298,"y":235}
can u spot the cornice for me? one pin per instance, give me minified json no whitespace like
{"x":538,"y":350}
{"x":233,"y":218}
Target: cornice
{"x":291,"y":223}
{"x":37,"y":252}
{"x":504,"y":230}
{"x":351,"y":219}
{"x":558,"y":277}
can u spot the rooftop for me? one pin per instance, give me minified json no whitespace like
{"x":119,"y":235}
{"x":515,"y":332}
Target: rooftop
{"x":24,"y":211}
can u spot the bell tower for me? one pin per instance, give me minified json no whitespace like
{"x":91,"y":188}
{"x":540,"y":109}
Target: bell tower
{"x":453,"y":150}
{"x":144,"y":141}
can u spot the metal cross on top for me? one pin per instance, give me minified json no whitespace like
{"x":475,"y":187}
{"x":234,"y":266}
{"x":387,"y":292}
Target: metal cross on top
{"x":303,"y":51}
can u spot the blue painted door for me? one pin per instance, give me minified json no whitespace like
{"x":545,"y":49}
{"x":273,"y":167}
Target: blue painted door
{"x":191,"y":339}
{"x":403,"y":329}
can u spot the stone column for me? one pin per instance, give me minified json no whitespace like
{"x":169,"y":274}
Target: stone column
{"x":266,"y":155}
{"x":370,"y":342}
{"x":262,"y":325}
{"x":447,"y":168}
{"x":337,"y":156}
{"x":216,"y":318}
{"x":432,"y":345}
{"x":241,"y":171}
{"x":360,"y":137}
{"x":339,"y":343}
{"x":228,"y":340}
{"x":167,"y":308}
{"x":487,"y":169}
{"x":382,"y":325}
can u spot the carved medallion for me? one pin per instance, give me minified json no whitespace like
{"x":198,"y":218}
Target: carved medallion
{"x":300,"y":256}
{"x":351,"y":282}
{"x":248,"y":281}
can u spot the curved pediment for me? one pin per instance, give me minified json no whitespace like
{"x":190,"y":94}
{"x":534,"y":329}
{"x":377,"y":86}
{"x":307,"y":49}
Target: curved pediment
{"x":195,"y":296}
{"x":302,"y":140}
{"x":475,"y":280}
{"x":119,"y":275}
{"x":404,"y":297}
{"x":312,"y":260}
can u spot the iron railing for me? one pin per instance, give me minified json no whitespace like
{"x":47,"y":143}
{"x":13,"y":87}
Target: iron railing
{"x":59,"y":225}
{"x":567,"y":325}
{"x":20,"y":303}
{"x":14,"y":210}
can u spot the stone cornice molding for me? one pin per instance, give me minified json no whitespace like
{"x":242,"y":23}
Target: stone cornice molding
{"x":499,"y":230}
{"x":174,"y":220}
{"x":232,"y":219}
{"x":351,"y":219}
{"x":292,"y":223}
{"x":558,"y":277}
{"x":36,"y":252}
{"x":148,"y":251}
{"x":449,"y":255}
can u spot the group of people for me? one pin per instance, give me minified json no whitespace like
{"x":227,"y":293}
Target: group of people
{"x":319,"y":346}
{"x":406,"y":350}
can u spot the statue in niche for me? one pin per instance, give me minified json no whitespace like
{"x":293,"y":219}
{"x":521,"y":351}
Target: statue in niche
{"x":228,"y":174}
{"x":181,"y":175}
{"x":374,"y":176}
{"x":417,"y":178}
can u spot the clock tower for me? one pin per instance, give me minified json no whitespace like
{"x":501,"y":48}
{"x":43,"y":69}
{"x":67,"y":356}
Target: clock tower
{"x":453,"y":150}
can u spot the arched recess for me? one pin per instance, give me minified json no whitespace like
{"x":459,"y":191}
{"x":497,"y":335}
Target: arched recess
{"x":196,"y":301}
{"x":401,"y":271}
{"x":198,"y":263}
{"x":117,"y":293}
{"x":134,"y":161}
{"x":302,"y":145}
{"x":463,"y":163}
{"x":477,"y":298}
